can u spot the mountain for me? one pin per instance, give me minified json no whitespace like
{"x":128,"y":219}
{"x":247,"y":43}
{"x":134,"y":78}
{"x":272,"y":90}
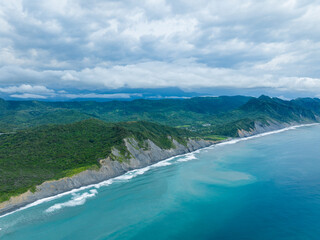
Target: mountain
{"x":312,"y":104}
{"x":81,"y":143}
{"x":173,"y":112}
{"x":277,"y":109}
{"x":264,"y":111}
{"x":204,"y":115}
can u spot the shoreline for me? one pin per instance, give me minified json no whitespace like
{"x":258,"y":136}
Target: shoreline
{"x":109,"y":169}
{"x":107,"y":181}
{"x":100,"y":184}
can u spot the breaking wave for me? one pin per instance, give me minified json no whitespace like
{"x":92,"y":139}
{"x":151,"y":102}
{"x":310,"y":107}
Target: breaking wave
{"x":133,"y":173}
{"x":77,"y":199}
{"x":188,"y":157}
{"x":233,"y":141}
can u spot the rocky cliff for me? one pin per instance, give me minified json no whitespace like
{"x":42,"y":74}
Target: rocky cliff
{"x":260,"y":127}
{"x":110,"y":167}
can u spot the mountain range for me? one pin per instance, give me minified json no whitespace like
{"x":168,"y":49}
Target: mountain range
{"x":43,"y":141}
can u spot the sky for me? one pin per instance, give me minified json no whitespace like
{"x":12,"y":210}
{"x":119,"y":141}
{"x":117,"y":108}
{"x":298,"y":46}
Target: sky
{"x":67,"y":49}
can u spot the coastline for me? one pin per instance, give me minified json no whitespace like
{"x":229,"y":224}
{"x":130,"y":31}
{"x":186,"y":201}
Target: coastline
{"x":141,"y":159}
{"x":109,"y":169}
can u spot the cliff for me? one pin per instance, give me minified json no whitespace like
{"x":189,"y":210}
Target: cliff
{"x":260,"y":127}
{"x":110,"y":167}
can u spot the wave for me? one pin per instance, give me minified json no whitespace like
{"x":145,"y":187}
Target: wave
{"x":136,"y":172}
{"x":133,"y":173}
{"x":103,"y":184}
{"x":233,"y":141}
{"x":80,"y":199}
{"x":77,"y":199}
{"x":188,"y":157}
{"x":162,"y":164}
{"x":49,"y":199}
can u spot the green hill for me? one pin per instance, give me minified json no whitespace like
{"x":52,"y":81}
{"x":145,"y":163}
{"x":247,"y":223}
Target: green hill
{"x":29,"y":157}
{"x":264,"y":109}
{"x":173,"y":112}
{"x":50,"y":140}
{"x":204,"y":115}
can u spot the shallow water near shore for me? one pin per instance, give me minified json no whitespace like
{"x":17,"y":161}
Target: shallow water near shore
{"x":265,"y":187}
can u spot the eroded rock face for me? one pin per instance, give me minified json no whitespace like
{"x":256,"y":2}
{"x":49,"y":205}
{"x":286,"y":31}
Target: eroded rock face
{"x":110,"y":168}
{"x":262,"y":128}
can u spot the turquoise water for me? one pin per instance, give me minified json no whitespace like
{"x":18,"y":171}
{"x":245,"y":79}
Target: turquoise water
{"x":261,"y":188}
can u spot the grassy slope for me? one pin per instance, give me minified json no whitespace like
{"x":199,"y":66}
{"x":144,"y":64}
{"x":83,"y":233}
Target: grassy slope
{"x":29,"y":157}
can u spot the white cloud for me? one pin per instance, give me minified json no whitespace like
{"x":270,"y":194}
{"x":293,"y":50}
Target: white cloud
{"x":161,"y":28}
{"x":26,"y":88}
{"x":148,"y":44}
{"x":279,"y":61}
{"x":183,"y":74}
{"x":69,"y":77}
{"x":103,"y":96}
{"x":28,"y":95}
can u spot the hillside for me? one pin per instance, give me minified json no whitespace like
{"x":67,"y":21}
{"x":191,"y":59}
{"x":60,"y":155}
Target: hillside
{"x":30,"y":157}
{"x":173,"y":112}
{"x":264,"y":110}
{"x":203,"y":115}
{"x":52,"y":140}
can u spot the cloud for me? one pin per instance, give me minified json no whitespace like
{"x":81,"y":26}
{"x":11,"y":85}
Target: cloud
{"x":41,"y":92}
{"x":28,"y":95}
{"x":28,"y":91}
{"x":25,"y":88}
{"x":102,"y":96}
{"x":76,"y":45}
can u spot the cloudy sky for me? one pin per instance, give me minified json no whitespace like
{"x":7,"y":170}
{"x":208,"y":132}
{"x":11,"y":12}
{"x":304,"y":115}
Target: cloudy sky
{"x":68,"y":49}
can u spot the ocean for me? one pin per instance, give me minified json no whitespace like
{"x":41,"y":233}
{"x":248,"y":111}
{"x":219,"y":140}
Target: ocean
{"x":264,"y":187}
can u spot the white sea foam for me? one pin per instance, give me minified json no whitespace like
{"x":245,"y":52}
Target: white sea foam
{"x":230,"y":142}
{"x":161,"y":164}
{"x":133,"y":173}
{"x":188,"y":157}
{"x":48,"y":199}
{"x":77,"y":199}
{"x":103,"y":184}
{"x":233,"y":141}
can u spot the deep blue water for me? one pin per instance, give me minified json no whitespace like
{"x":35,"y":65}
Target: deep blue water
{"x":262,"y":188}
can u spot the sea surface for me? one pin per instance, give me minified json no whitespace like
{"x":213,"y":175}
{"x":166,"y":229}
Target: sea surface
{"x":265,"y":187}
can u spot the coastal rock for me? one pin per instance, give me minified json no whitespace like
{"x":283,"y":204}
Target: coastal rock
{"x":260,"y":127}
{"x":138,"y":158}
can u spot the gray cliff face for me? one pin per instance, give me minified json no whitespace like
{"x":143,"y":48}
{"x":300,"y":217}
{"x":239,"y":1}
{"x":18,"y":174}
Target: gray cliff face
{"x":139,"y":158}
{"x":262,"y":128}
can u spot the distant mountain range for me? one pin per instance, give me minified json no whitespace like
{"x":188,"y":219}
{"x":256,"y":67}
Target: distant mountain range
{"x":53,"y":140}
{"x":204,"y":115}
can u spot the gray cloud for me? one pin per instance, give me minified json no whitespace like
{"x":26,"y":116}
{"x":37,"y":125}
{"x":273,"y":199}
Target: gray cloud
{"x":80,"y":45}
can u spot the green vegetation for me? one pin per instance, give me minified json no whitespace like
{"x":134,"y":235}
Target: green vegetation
{"x":205,"y":116}
{"x":214,"y":138}
{"x":33,"y":156}
{"x":173,"y":112}
{"x":51,"y":140}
